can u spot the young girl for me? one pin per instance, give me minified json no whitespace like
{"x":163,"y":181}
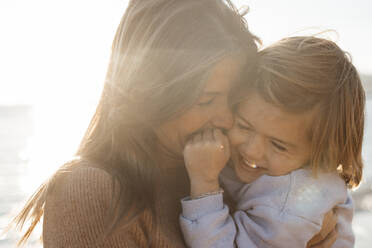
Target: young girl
{"x":295,"y":148}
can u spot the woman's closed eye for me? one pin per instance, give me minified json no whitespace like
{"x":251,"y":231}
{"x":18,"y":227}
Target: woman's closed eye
{"x":206,"y":102}
{"x":243,"y":126}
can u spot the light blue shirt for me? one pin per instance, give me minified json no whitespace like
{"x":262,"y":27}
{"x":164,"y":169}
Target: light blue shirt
{"x":282,"y":211}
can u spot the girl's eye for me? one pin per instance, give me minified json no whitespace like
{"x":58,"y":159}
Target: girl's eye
{"x":206,"y":103}
{"x":279,"y":147}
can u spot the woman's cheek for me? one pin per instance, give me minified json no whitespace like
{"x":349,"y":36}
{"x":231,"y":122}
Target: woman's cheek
{"x":233,"y":136}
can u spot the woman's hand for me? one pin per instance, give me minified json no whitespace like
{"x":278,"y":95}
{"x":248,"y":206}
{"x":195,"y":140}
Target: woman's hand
{"x":206,"y":154}
{"x":327,"y":235}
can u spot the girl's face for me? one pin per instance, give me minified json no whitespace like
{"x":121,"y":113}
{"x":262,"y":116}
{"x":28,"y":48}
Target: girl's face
{"x":210,"y":111}
{"x":268,"y":140}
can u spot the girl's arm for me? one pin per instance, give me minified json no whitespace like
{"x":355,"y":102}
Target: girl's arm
{"x":205,"y":222}
{"x":206,"y":154}
{"x":264,"y":221}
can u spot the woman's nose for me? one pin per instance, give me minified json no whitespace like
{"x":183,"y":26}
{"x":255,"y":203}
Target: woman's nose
{"x":223,"y":119}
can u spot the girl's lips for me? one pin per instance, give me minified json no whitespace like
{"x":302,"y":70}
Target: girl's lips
{"x":244,"y":169}
{"x":252,"y":165}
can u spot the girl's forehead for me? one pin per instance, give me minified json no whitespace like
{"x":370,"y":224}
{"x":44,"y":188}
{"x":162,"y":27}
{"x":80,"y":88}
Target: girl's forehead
{"x":274,"y":122}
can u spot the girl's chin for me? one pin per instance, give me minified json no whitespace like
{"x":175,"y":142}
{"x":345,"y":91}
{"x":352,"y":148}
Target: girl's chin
{"x":247,"y":174}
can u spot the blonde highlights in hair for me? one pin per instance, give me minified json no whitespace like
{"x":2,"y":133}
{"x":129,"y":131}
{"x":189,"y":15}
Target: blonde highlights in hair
{"x":161,"y":55}
{"x":300,"y":74}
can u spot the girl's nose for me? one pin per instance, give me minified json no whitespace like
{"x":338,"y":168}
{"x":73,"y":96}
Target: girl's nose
{"x":254,"y":148}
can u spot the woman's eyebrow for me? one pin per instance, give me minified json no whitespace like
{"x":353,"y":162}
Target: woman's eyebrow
{"x":212,"y":93}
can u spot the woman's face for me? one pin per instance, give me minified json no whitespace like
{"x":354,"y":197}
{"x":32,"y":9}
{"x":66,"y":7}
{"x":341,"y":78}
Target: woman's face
{"x":211,"y":110}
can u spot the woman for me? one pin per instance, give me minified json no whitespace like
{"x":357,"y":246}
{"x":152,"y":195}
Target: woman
{"x":172,"y":68}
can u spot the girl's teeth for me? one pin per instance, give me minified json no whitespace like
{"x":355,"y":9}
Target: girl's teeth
{"x":252,"y":165}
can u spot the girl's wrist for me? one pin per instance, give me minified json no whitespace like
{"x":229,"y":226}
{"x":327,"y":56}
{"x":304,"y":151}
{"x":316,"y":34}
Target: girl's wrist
{"x":198,"y":189}
{"x":211,"y":193}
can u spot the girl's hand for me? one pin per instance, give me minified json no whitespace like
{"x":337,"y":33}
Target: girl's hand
{"x":206,"y":154}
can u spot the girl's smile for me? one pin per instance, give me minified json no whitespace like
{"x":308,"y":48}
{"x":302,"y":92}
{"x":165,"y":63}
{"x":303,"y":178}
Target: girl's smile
{"x":250,"y":164}
{"x":267,"y":140}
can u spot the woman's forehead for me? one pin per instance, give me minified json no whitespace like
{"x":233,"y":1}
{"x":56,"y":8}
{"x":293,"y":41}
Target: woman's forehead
{"x":222,"y":76}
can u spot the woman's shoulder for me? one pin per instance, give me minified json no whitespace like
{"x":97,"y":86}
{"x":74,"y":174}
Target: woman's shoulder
{"x":83,"y":181}
{"x":76,"y":205}
{"x":83,"y":173}
{"x":78,"y":191}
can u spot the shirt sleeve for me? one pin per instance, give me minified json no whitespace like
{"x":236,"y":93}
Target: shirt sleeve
{"x":231,"y":183}
{"x":205,"y":222}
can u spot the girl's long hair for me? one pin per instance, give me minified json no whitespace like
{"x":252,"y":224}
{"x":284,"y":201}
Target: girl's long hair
{"x":300,"y":74}
{"x":161,"y":55}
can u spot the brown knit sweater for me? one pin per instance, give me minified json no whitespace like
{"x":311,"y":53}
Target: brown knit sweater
{"x":75,"y":212}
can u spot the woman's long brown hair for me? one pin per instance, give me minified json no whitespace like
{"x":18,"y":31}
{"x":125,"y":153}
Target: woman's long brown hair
{"x":161,"y":54}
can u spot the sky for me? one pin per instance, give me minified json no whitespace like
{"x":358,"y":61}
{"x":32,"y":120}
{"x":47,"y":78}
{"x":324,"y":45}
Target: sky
{"x":352,"y":20}
{"x":51,"y":49}
{"x":54,"y":56}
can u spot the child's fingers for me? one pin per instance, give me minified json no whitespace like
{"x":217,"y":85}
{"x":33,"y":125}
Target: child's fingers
{"x":219,"y":136}
{"x":197,"y":138}
{"x":222,"y":141}
{"x":208,"y":135}
{"x":217,"y":139}
{"x":192,"y":141}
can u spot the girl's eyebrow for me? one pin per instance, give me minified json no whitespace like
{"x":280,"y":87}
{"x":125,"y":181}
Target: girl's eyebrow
{"x":244,"y":120}
{"x":270,"y":137}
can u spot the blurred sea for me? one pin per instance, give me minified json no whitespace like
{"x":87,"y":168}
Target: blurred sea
{"x":17,"y":126}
